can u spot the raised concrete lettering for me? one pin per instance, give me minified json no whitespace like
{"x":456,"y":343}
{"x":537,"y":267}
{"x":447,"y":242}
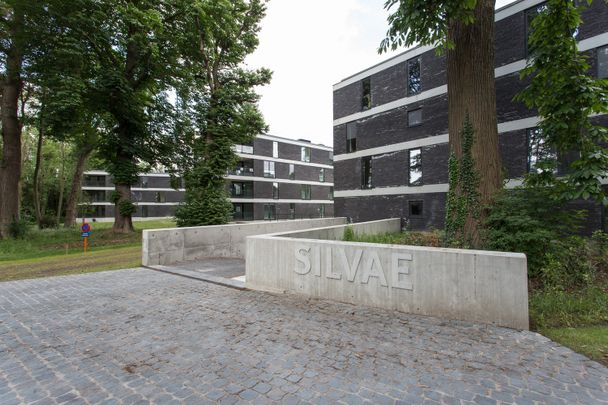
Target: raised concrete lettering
{"x":373,"y":268}
{"x":399,"y":270}
{"x":351,"y":271}
{"x":308,"y":259}
{"x":302,"y":257}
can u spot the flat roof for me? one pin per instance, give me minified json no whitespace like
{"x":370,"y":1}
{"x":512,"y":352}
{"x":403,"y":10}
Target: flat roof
{"x":297,"y":141}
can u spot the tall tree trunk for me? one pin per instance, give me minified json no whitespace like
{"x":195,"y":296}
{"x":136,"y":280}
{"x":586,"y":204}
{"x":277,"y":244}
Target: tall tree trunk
{"x":37,"y":168}
{"x":71,"y":206}
{"x":10,"y":166}
{"x":61,"y":183}
{"x":472,"y":92}
{"x":122,"y":223}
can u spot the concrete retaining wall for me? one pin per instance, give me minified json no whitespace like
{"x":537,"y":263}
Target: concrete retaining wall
{"x":168,"y":246}
{"x":337,"y":232}
{"x":479,"y":286}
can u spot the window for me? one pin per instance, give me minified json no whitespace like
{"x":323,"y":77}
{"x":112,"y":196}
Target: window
{"x":292,"y":172}
{"x":275,"y":149}
{"x":241,"y":190}
{"x":96,"y":196}
{"x":414,"y":84}
{"x":237,"y":211}
{"x":237,"y":189}
{"x":269,"y":169}
{"x":330,"y":194}
{"x":351,"y":137}
{"x":414,"y":117}
{"x":305,"y":154}
{"x":366,"y":94}
{"x":244,"y":168}
{"x":321,"y":175}
{"x":144,"y":182}
{"x":160,"y":197}
{"x":270,"y":211}
{"x":366,"y":172}
{"x":321,"y":211}
{"x":538,"y":152}
{"x":602,"y":63}
{"x":275,"y":191}
{"x":331,"y":155}
{"x":144,"y":211}
{"x":415,"y":208}
{"x":248,"y":149}
{"x":292,"y":211}
{"x":305,"y":191}
{"x":95,"y":181}
{"x":415,"y":167}
{"x":99,"y":211}
{"x":242,"y":211}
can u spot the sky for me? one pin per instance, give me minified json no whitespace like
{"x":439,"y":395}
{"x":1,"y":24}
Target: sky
{"x":311,"y":45}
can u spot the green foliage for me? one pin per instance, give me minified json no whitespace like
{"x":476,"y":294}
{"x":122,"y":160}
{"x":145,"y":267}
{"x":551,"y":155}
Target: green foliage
{"x":600,"y":241}
{"x":205,"y":206}
{"x":48,"y":221}
{"x":349,"y":234}
{"x":566,"y":98}
{"x":411,"y":238}
{"x":115,"y":197}
{"x":462,"y":203}
{"x":424,"y":22}
{"x":218,"y":105}
{"x":42,"y":244}
{"x":126,"y":208}
{"x":567,"y":265}
{"x":19,"y":229}
{"x":558,"y":308}
{"x":528,"y":221}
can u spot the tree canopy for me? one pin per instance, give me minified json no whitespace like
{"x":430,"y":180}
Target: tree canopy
{"x":567,"y":98}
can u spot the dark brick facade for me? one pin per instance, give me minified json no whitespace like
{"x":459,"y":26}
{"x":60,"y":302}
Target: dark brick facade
{"x":156,"y":198}
{"x":390,"y":126}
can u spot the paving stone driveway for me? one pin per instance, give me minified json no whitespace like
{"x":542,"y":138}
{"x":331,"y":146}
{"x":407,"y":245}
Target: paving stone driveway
{"x":138,"y":336}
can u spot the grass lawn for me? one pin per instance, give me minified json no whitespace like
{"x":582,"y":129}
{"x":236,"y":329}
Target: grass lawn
{"x":53,"y":252}
{"x":578,"y":319}
{"x":591,"y":341}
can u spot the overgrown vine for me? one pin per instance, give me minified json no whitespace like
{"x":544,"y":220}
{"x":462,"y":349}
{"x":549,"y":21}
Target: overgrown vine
{"x":462,"y":205}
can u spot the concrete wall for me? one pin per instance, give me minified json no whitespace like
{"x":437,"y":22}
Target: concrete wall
{"x":478,"y":286}
{"x":167,"y":246}
{"x":337,"y":232}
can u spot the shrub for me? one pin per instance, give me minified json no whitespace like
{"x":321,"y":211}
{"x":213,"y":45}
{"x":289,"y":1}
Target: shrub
{"x":528,"y":221}
{"x":349,"y":234}
{"x":206,"y":206}
{"x":567,"y":265}
{"x":48,"y":222}
{"x":19,"y":229}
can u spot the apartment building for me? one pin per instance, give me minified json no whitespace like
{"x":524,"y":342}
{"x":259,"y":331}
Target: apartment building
{"x":391,"y":123}
{"x":276,"y":178}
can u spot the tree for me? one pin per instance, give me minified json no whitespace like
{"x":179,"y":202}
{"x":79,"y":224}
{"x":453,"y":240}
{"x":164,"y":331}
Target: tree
{"x":221,"y":105}
{"x":465,"y":28}
{"x":14,"y":33}
{"x":567,"y":98}
{"x":137,"y":46}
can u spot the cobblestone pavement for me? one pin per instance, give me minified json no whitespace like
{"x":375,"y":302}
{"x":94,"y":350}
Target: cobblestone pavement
{"x":139,"y":336}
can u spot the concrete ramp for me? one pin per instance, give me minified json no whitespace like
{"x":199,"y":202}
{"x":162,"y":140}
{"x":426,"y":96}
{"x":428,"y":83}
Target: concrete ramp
{"x":226,"y":271}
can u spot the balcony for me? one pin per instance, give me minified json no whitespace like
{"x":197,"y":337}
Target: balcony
{"x":243,"y":168}
{"x":241,"y":190}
